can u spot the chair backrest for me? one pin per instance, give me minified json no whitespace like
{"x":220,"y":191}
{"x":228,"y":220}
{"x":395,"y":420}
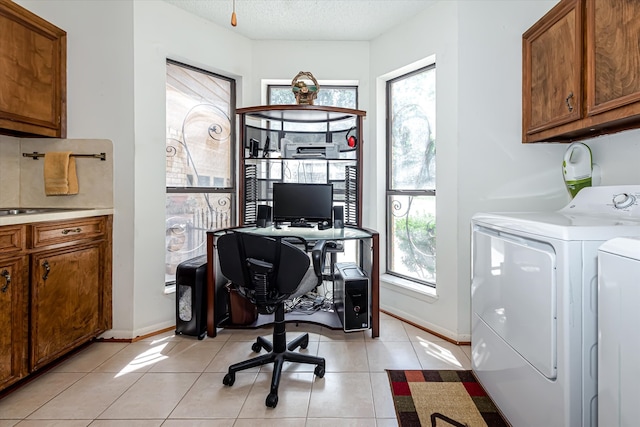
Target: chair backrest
{"x":238,"y":253}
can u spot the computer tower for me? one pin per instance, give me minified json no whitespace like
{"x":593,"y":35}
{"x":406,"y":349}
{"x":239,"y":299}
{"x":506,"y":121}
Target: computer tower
{"x":191,"y":297}
{"x":351,"y":299}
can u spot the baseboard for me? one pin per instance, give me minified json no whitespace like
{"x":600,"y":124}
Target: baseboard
{"x":461,"y":340}
{"x":138,"y":334}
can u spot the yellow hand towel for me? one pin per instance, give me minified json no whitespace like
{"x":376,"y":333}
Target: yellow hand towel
{"x":60,"y":177}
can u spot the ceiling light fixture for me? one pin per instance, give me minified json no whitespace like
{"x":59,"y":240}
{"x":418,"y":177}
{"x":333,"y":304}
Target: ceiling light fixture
{"x":234,"y":20}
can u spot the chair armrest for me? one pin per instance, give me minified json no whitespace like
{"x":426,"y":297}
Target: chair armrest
{"x":318,"y":255}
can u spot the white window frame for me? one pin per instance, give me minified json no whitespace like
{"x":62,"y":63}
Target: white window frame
{"x":227,"y":189}
{"x":395,"y":276}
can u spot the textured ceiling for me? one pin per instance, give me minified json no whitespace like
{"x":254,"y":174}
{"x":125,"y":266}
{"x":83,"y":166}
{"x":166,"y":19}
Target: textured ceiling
{"x":338,"y":20}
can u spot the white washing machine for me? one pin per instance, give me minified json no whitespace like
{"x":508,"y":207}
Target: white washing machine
{"x":533,"y":300}
{"x":619,"y":333}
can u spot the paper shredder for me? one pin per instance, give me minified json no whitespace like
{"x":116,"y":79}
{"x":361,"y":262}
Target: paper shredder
{"x":191,"y":297}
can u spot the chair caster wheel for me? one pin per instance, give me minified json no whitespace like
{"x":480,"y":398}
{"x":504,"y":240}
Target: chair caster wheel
{"x":256,"y":347}
{"x":319,"y":371}
{"x":304,"y":344}
{"x":272,"y":400}
{"x":229,"y":379}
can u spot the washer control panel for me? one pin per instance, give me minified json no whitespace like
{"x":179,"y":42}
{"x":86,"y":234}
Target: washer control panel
{"x":623,"y":200}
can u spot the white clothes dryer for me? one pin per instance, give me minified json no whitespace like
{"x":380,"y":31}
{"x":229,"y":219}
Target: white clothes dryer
{"x":533,"y":300}
{"x":619,"y":332}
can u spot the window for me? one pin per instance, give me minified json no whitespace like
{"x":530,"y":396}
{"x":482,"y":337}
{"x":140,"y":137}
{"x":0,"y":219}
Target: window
{"x":200,"y":144}
{"x":411,"y":176}
{"x":336,"y":96}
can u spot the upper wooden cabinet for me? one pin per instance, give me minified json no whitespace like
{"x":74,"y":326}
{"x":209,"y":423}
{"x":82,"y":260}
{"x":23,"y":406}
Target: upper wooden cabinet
{"x":33,"y":74}
{"x":581,"y":64}
{"x":613,"y":55}
{"x":552,"y":56}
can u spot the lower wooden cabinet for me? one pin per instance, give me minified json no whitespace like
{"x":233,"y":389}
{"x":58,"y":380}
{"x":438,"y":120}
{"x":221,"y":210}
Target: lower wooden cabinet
{"x":55,"y":291}
{"x":14,"y":320}
{"x":66,"y":299}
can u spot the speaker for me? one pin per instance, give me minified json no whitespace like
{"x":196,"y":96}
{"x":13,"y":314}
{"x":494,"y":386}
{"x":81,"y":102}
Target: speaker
{"x":264,"y":216}
{"x":338,"y":217}
{"x":254,"y":146}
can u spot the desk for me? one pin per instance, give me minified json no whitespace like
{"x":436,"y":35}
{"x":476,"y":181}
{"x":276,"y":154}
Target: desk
{"x":369,"y":261}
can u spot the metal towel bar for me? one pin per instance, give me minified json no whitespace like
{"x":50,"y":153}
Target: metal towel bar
{"x":35,"y":155}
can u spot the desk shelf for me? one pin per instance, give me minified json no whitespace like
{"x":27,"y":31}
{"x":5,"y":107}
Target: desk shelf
{"x":324,"y":131}
{"x":368,"y":247}
{"x":322,"y":318}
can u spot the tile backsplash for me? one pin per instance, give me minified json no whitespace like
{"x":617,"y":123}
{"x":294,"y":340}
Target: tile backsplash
{"x":9,"y":171}
{"x":22,"y":180}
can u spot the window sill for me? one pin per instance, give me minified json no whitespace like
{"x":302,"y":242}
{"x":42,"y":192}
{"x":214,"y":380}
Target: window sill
{"x":171,"y":289}
{"x":409,"y":288}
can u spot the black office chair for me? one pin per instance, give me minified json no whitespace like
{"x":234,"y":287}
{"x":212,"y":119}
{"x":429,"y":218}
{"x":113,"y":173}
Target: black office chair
{"x":269,"y":271}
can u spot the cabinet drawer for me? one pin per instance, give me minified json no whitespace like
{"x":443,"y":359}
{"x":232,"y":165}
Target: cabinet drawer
{"x":12,"y":239}
{"x":51,"y":233}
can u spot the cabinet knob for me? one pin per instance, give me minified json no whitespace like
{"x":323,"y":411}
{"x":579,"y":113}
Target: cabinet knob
{"x":7,"y":278}
{"x":47,"y":269}
{"x":568,"y":101}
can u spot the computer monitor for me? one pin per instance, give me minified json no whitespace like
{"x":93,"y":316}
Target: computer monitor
{"x":293,"y":202}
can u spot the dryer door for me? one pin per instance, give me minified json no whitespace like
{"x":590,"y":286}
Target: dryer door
{"x":514,"y":293}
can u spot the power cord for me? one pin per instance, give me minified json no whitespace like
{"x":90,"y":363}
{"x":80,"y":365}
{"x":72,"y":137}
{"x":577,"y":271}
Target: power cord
{"x":312,"y":301}
{"x":309,"y":303}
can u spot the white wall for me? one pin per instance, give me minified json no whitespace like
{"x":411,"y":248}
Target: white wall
{"x":100,"y":105}
{"x":495,"y":170}
{"x":434,"y":32}
{"x":116,"y":54}
{"x":273,"y":60}
{"x":163,"y":31}
{"x":481,"y":163}
{"x":116,"y":86}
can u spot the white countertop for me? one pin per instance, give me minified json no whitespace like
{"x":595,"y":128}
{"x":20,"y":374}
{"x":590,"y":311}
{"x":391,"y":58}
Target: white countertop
{"x":60,"y":215}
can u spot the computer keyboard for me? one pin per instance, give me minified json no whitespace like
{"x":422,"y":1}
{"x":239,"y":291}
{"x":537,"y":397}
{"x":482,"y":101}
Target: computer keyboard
{"x":301,"y":225}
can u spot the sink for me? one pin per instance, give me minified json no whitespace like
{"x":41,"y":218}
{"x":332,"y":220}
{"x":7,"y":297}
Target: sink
{"x":25,"y":211}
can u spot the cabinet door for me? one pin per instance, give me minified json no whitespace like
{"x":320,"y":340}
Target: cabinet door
{"x":552,"y":62}
{"x":66,"y":301}
{"x":13,"y":318}
{"x":612,"y":53}
{"x":33,"y":74}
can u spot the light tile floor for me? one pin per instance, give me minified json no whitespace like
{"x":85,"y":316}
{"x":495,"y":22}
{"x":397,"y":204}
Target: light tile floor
{"x":171,"y":381}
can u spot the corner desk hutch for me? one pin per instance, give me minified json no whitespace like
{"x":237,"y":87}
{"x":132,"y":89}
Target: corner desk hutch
{"x":299,"y":144}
